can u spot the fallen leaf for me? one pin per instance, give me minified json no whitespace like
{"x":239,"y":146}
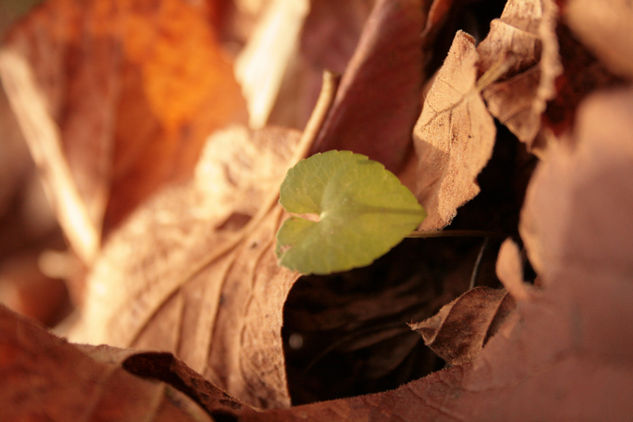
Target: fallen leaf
{"x":523,"y":43}
{"x":453,"y":137}
{"x":115,"y":100}
{"x":460,"y":330}
{"x":605,"y":31}
{"x":193,"y":271}
{"x":328,"y":38}
{"x":378,"y":97}
{"x":568,"y":354}
{"x":592,"y":198}
{"x":45,"y":378}
{"x":259,"y":74}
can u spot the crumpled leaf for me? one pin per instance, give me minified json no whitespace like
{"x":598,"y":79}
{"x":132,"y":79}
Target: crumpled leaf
{"x":605,"y":30}
{"x":524,"y":41}
{"x":193,"y":271}
{"x":115,"y":99}
{"x":378,"y":97}
{"x":45,"y":378}
{"x":568,"y":356}
{"x":361,"y":210}
{"x":460,"y":330}
{"x":453,"y":136}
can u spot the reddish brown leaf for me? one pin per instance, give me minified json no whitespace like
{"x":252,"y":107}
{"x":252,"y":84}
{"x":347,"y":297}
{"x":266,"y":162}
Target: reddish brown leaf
{"x":378,"y":98}
{"x":454,"y":137}
{"x":45,"y":378}
{"x":115,"y":100}
{"x":523,"y":44}
{"x":194,"y":272}
{"x":460,"y":330}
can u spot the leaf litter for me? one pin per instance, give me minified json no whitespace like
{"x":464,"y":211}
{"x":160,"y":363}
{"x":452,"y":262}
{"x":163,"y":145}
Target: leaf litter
{"x":192,"y":271}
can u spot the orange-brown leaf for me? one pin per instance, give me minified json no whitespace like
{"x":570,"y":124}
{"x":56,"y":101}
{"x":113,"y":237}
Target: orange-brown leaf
{"x":116,"y":98}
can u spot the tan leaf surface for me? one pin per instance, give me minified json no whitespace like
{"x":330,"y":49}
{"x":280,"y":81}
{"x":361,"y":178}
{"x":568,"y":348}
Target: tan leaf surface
{"x":523,"y":40}
{"x":193,"y":271}
{"x":593,"y":197}
{"x":606,"y":30}
{"x":51,"y":380}
{"x":115,"y":98}
{"x":460,"y":330}
{"x":378,"y":97}
{"x":453,"y":136}
{"x":569,"y":353}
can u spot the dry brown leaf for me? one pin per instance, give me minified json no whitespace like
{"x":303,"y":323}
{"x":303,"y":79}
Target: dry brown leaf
{"x":593,"y":195}
{"x":523,"y":43}
{"x":259,"y":73}
{"x":460,"y":330}
{"x":328,"y":39}
{"x":453,"y":137}
{"x":606,"y":30}
{"x":378,"y":97}
{"x":193,"y":271}
{"x":115,"y":99}
{"x":45,"y":378}
{"x":569,"y":353}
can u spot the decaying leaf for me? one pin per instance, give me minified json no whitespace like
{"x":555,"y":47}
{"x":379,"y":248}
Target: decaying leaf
{"x":453,"y":137}
{"x":605,"y":30}
{"x":378,"y":98}
{"x":459,"y":331}
{"x":193,"y":271}
{"x":115,"y":99}
{"x":523,"y":43}
{"x":52,"y":380}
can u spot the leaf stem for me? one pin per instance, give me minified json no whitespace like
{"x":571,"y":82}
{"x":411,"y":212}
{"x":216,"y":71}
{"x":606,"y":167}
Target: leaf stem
{"x":453,"y":233}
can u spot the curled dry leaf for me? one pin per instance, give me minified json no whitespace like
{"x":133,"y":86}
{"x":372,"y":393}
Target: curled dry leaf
{"x":115,"y":100}
{"x":378,"y":97}
{"x":568,"y":356}
{"x":453,"y":137}
{"x":605,"y":30}
{"x":50,"y":379}
{"x":459,"y":331}
{"x":523,"y":43}
{"x":193,"y":270}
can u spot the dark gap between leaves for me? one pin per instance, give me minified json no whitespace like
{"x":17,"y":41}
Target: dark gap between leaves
{"x":345,"y":334}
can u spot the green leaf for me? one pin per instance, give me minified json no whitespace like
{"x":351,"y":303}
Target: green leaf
{"x":348,"y":211}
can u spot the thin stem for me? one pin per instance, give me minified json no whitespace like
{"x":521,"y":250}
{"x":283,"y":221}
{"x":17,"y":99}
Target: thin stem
{"x":453,"y":233}
{"x":475,"y":273}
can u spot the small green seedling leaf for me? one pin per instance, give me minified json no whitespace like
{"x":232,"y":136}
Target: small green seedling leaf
{"x":347,"y":211}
